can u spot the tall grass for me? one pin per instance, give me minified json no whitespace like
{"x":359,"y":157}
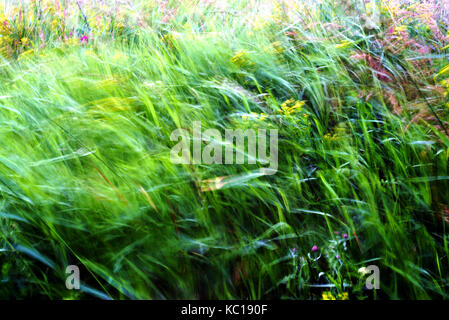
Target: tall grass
{"x":86,"y":176}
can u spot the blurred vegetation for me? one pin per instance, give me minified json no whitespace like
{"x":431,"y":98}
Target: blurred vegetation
{"x":90,"y":92}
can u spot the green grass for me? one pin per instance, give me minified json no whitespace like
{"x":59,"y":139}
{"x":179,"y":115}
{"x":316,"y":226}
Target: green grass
{"x":86,"y":176}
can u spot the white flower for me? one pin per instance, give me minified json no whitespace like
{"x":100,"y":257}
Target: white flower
{"x":363,"y":270}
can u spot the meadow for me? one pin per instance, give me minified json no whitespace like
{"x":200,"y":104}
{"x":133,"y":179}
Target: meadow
{"x":90,"y":92}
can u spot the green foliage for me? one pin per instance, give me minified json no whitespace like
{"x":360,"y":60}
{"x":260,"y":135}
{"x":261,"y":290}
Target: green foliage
{"x":86,"y":176}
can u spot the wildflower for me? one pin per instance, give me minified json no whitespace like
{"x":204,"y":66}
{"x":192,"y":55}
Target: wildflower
{"x":400,"y":28}
{"x":275,"y":47}
{"x":278,"y":13}
{"x":26,"y":54}
{"x":42,"y":37}
{"x":259,"y":24}
{"x":445,"y":83}
{"x":72,"y":41}
{"x":297,"y":105}
{"x":240,"y":58}
{"x":345,"y":236}
{"x":237,"y":56}
{"x":343,"y":296}
{"x":289,"y":106}
{"x":343,"y":44}
{"x":424,"y":50}
{"x":338,"y":257}
{"x":170,"y":39}
{"x":363,"y":270}
{"x":54,"y":24}
{"x":327,"y":295}
{"x":84,"y":39}
{"x":24,"y":41}
{"x":285,"y":103}
{"x":254,"y":115}
{"x":314,"y":248}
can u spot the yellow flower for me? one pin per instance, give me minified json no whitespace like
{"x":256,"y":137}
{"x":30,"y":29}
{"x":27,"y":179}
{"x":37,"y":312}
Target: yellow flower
{"x":275,"y":47}
{"x":259,"y":24}
{"x":54,"y":24}
{"x":289,"y":101}
{"x":26,"y":54}
{"x":298,"y":105}
{"x":24,"y":41}
{"x":344,"y":44}
{"x":384,"y":9}
{"x":251,"y":115}
{"x":411,"y":7}
{"x":263,"y":116}
{"x":254,"y":115}
{"x":327,"y":295}
{"x":343,"y":296}
{"x":290,"y":106}
{"x":331,"y":137}
{"x":72,"y":41}
{"x":400,"y":28}
{"x":284,"y":105}
{"x":240,"y":57}
{"x":363,"y":270}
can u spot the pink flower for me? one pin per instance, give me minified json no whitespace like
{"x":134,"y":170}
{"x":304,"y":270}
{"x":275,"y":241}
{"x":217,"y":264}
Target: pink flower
{"x":314,"y":249}
{"x":424,"y":50}
{"x":42,"y":37}
{"x":345,"y":236}
{"x":84,"y":39}
{"x":166,"y":19}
